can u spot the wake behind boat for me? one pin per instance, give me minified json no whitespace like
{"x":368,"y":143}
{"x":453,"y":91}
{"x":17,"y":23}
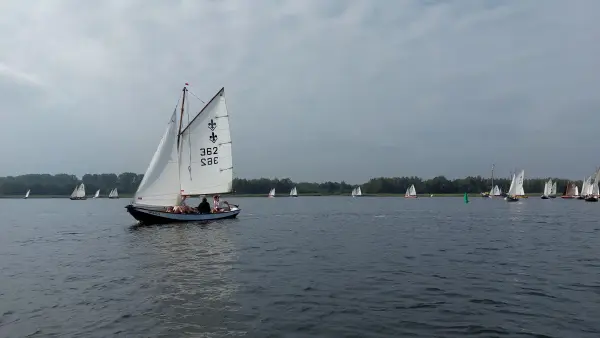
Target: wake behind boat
{"x":194,"y":161}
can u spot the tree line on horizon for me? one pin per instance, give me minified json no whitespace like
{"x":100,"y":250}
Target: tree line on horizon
{"x":127,"y":183}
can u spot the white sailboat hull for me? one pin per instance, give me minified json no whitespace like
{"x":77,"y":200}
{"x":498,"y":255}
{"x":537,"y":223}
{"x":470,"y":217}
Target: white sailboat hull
{"x":149,"y":216}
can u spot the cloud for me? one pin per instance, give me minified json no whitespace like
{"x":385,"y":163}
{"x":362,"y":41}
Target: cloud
{"x":18,"y":77}
{"x":318,"y":90}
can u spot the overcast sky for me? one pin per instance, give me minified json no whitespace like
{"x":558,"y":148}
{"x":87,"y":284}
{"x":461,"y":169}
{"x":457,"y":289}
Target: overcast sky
{"x":317,"y":90}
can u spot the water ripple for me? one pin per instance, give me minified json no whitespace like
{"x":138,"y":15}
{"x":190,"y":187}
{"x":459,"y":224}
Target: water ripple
{"x":303,"y":267}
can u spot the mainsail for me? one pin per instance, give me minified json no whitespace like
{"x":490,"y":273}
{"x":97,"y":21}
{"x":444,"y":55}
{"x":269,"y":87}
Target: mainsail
{"x":548,"y":188}
{"x":553,"y":191}
{"x":512,"y":190}
{"x":519,"y":183}
{"x":294,"y":192}
{"x":97,"y":193}
{"x":80,"y":191}
{"x":272,"y":193}
{"x":205,"y":152}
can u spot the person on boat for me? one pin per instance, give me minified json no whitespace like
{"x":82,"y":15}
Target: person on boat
{"x":182,"y":207}
{"x":216,"y":204}
{"x":204,"y":206}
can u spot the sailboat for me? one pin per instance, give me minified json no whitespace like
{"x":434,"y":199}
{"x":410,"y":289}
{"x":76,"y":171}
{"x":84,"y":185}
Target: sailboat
{"x":272,"y":193}
{"x":78,"y":193}
{"x":113,"y":194}
{"x":294,"y":192}
{"x":547,"y":190}
{"x":411,"y":192}
{"x":585,"y":188}
{"x":516,"y":191}
{"x":97,"y":193}
{"x":191,"y":161}
{"x":570,"y":191}
{"x":356,"y":192}
{"x":27,"y":194}
{"x":496,"y":192}
{"x":595,"y":191}
{"x":553,"y":191}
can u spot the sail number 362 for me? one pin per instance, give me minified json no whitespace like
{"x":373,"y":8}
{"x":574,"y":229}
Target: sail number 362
{"x":208,"y":156}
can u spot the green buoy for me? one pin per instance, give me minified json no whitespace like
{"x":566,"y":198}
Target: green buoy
{"x":466,"y":198}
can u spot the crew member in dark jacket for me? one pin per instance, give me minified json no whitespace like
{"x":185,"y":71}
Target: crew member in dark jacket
{"x":204,"y":207}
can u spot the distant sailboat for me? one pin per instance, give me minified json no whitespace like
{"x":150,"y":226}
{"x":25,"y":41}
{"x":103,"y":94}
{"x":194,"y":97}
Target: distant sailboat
{"x":356,"y":192}
{"x":27,"y":194}
{"x":97,"y":193}
{"x":79,"y":193}
{"x":570,"y":191}
{"x":585,"y":188}
{"x":516,"y":191}
{"x":294,"y":192}
{"x":553,"y":191}
{"x":547,"y":190}
{"x":593,"y":197}
{"x":593,"y":189}
{"x":411,"y":192}
{"x":113,"y":194}
{"x":272,"y":193}
{"x":496,"y":192}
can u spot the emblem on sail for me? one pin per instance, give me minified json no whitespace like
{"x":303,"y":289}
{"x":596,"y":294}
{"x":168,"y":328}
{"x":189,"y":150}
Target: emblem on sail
{"x":212,"y":125}
{"x":213,"y":137}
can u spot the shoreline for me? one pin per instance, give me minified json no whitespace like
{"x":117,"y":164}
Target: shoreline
{"x":474,"y":195}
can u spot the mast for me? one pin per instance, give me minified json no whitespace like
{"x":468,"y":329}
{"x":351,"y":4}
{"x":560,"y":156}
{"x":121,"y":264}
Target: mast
{"x":181,"y":116}
{"x":492,"y":178}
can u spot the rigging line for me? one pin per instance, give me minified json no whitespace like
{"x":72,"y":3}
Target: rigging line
{"x":191,"y":92}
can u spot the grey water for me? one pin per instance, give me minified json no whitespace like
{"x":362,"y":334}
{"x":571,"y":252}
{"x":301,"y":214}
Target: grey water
{"x":300,"y":267}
